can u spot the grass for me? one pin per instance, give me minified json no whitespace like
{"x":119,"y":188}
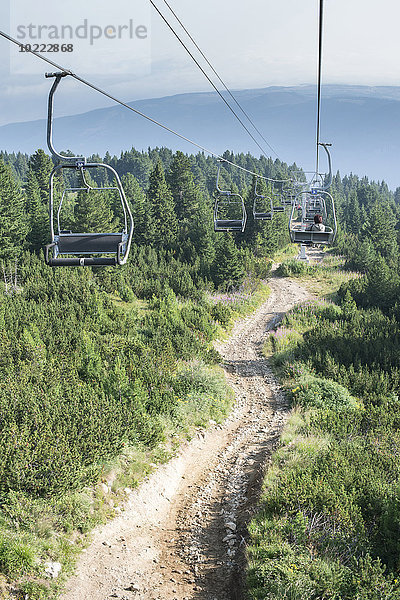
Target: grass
{"x":290,"y":251}
{"x":323,"y":280}
{"x":34,"y":531}
{"x":239,"y":303}
{"x":322,"y":532}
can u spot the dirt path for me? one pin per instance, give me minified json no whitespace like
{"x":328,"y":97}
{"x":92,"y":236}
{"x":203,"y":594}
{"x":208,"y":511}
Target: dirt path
{"x":183,"y":531}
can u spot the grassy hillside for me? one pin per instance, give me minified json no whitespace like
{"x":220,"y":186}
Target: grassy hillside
{"x":329,"y":520}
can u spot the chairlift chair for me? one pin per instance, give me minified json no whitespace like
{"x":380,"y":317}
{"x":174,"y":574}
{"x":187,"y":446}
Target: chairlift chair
{"x":260,"y":204}
{"x":229,"y":210}
{"x":277,"y":204}
{"x":315,"y":196}
{"x":69,"y":248}
{"x":288,"y":195}
{"x":315,"y":206}
{"x":300,"y":230}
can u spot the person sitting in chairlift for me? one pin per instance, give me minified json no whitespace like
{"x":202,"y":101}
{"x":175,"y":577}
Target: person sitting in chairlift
{"x":318,"y":224}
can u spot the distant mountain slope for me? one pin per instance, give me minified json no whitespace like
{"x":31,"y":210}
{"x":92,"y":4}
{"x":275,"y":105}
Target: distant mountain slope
{"x":363,"y":123}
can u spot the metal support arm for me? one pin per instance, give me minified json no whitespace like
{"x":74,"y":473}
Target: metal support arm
{"x":53,"y":151}
{"x":328,"y":182}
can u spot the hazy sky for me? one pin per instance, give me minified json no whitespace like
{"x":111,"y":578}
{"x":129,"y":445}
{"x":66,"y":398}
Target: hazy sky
{"x":252,"y":44}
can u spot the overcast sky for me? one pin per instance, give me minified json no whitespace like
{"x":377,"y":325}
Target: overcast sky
{"x":256,"y":43}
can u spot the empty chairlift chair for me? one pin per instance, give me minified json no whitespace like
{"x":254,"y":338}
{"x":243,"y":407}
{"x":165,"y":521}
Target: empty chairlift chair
{"x":262,"y":206}
{"x":229,"y":210}
{"x":278,"y":205}
{"x":315,"y":205}
{"x":288,"y":193}
{"x":68,"y":248}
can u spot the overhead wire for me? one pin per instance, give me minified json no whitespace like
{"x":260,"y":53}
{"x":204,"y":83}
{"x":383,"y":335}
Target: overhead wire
{"x":321,"y":25}
{"x":208,"y":78}
{"x":131,"y":108}
{"x":220,"y":78}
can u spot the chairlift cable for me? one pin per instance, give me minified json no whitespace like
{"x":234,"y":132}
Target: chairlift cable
{"x":220,"y":79}
{"x":321,"y":22}
{"x":136,"y":111}
{"x":208,"y":78}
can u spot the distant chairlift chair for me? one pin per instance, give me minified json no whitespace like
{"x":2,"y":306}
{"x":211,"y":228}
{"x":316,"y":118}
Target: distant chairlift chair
{"x":262,"y":206}
{"x":315,"y":205}
{"x":288,"y":193}
{"x":229,"y":210}
{"x":83,"y":249}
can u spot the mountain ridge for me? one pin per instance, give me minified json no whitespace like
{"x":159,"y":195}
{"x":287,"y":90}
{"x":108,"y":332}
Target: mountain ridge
{"x":358,"y":120}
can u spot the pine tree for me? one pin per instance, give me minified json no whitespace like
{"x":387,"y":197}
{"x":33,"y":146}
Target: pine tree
{"x":352,"y":214}
{"x":141,"y":213}
{"x":228,"y":265}
{"x":41,"y":165}
{"x":13,"y":221}
{"x":180,"y":180}
{"x":382,"y":289}
{"x":93,"y":212}
{"x":382,"y":230}
{"x":162,"y":209}
{"x":37,"y":213}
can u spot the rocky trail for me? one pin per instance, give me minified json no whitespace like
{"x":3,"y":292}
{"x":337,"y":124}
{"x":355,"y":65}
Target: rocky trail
{"x":182,"y":533}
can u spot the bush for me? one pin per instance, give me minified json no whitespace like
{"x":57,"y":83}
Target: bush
{"x":295,"y":268}
{"x":16,"y":557}
{"x":317,"y":392}
{"x":330,"y":515}
{"x":221,"y":313}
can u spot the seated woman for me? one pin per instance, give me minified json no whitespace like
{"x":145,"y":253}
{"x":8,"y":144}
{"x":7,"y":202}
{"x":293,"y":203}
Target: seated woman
{"x":318,"y":224}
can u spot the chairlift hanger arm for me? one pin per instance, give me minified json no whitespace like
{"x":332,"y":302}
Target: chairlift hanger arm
{"x":68,"y":159}
{"x":328,"y":183}
{"x":222,"y":192}
{"x":255,"y":190}
{"x":88,"y":187}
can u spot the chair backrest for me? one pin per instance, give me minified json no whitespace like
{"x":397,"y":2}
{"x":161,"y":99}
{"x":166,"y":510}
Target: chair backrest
{"x":89,"y":243}
{"x":315,"y":237}
{"x":229,"y":212}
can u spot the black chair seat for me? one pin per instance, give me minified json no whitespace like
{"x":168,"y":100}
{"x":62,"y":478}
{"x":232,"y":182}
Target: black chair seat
{"x":314,"y":237}
{"x":228,"y":225}
{"x":89,"y":243}
{"x":263,"y":216}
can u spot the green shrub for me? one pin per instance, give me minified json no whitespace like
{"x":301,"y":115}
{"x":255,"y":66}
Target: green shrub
{"x":295,"y":268}
{"x":16,"y":558}
{"x":221,"y":313}
{"x":330,"y":515}
{"x":317,"y":392}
